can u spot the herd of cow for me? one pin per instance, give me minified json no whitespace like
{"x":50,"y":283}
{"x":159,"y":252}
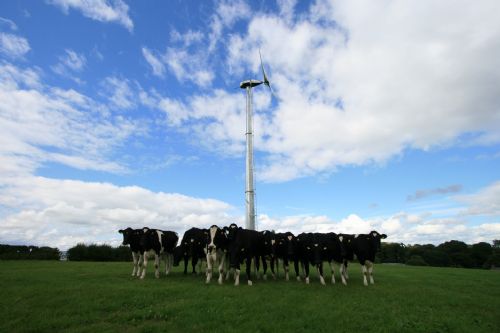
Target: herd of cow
{"x":229,"y":247}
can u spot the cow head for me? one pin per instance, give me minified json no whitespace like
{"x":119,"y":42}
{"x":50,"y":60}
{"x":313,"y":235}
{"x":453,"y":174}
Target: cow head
{"x":376,"y":237}
{"x":191,"y":244}
{"x":178,"y":254}
{"x":129,"y":234}
{"x":216,"y":239}
{"x":269,"y":240}
{"x":231,"y":231}
{"x":146,"y":236}
{"x":286,"y":244}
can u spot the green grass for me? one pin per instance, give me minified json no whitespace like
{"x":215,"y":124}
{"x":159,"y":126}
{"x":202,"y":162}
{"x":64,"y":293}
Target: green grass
{"x":37,"y":296}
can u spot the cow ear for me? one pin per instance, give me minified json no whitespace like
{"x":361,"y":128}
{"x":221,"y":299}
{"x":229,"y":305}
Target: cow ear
{"x":383,"y":236}
{"x":120,"y":231}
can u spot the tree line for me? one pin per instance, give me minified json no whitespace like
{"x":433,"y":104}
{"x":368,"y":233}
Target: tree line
{"x":94,"y":252}
{"x":23,"y":252}
{"x":448,"y":254}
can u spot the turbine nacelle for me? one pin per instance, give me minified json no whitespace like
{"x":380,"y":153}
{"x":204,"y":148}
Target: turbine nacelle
{"x":251,"y":83}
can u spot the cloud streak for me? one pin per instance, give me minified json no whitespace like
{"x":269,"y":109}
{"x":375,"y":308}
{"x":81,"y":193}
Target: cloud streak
{"x":99,"y":10}
{"x":420,"y":194}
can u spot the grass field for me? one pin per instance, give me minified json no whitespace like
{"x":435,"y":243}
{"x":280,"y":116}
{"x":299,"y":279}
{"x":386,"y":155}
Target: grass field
{"x":38,"y":296}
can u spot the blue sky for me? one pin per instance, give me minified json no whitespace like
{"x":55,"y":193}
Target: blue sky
{"x":385,"y":116}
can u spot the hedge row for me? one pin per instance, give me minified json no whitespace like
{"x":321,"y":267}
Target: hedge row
{"x":22,"y":252}
{"x":93,"y":252}
{"x":448,"y":254}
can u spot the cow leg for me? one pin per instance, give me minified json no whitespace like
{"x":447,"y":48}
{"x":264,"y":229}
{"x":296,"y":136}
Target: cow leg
{"x":333,"y":271}
{"x":264,"y":267}
{"x":305,"y":266}
{"x":227,"y":267}
{"x":342,"y":274}
{"x":168,"y":263}
{"x":139,"y":264}
{"x":221,"y":267}
{"x":237,"y":276}
{"x":346,"y":264}
{"x":157,"y":266}
{"x":365,"y":273}
{"x":135,"y":261}
{"x":209,"y":267}
{"x":285,"y":267}
{"x":186,"y":259}
{"x":194,"y":261}
{"x":369,"y":264}
{"x":277,"y":267}
{"x":257,"y":266}
{"x":144,"y":265}
{"x":296,"y":267}
{"x":248,"y":269}
{"x":273,"y":259}
{"x":320,"y":272}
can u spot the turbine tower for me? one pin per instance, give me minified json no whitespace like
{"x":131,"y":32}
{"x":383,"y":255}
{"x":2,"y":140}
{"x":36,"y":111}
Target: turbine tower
{"x":249,"y":187}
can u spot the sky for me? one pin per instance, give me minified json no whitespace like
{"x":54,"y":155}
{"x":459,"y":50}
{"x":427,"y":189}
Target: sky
{"x":385,"y":115}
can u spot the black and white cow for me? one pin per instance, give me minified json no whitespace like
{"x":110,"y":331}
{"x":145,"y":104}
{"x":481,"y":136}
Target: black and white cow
{"x":365,"y":247}
{"x":192,"y":247}
{"x":157,"y":242}
{"x":335,"y":254}
{"x":132,"y":237}
{"x":315,"y":248}
{"x":244,"y":245}
{"x":286,"y":249}
{"x":267,"y":252}
{"x":216,"y":247}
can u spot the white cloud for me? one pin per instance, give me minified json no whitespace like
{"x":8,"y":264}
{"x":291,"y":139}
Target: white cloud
{"x":99,"y":10}
{"x":13,"y":46}
{"x":226,"y":14}
{"x":155,"y":63}
{"x":8,"y":23}
{"x":188,"y":67}
{"x":360,"y":82}
{"x":188,"y":38}
{"x":431,"y":226}
{"x":486,"y":202}
{"x":118,"y":92}
{"x":63,"y":212}
{"x":70,"y":63}
{"x":47,"y":124}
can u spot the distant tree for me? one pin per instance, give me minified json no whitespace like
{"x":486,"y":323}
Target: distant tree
{"x":94,"y":252}
{"x":462,"y":259}
{"x":436,"y":257}
{"x":416,"y":260}
{"x":393,"y":252}
{"x":496,"y":243}
{"x":23,"y":252}
{"x":78,"y":252}
{"x":453,"y":246}
{"x":480,"y":253}
{"x":418,"y":249}
{"x":459,"y":253}
{"x":493,"y":260}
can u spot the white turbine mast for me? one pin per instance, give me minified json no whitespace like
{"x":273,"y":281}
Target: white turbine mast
{"x":249,"y":188}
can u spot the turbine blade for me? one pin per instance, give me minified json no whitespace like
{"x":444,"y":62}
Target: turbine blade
{"x":266,"y":80}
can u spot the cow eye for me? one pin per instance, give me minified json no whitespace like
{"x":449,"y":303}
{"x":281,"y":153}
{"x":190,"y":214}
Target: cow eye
{"x":324,"y":248}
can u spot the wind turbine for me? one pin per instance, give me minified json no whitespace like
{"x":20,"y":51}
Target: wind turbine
{"x":249,"y":188}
